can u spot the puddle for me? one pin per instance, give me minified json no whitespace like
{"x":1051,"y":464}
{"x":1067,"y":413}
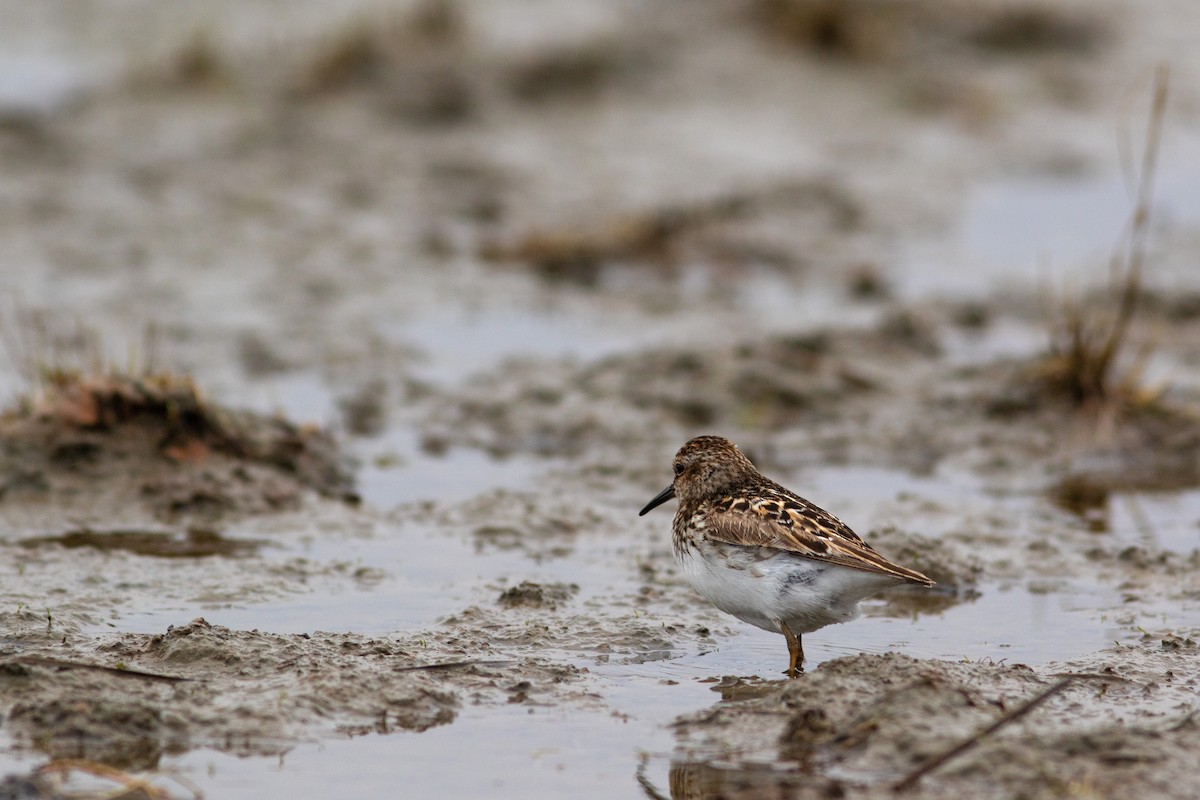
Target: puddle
{"x":780,"y":306}
{"x":36,"y":86}
{"x":1020,"y":229}
{"x":1154,"y":520}
{"x":407,"y":578}
{"x":1028,"y":225}
{"x":538,"y":753}
{"x":1038,"y":231}
{"x":303,"y":396}
{"x":459,"y":344}
{"x":1000,"y":339}
{"x":396,"y":469}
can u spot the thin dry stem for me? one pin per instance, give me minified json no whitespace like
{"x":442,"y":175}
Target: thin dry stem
{"x":50,"y":355}
{"x":910,"y":780}
{"x":1088,"y":343}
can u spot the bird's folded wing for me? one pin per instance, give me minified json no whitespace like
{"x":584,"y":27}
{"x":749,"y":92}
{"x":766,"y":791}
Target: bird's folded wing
{"x":799,"y":527}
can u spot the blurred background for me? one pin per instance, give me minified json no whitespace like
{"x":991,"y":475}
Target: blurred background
{"x":512,"y":253}
{"x":315,"y":200}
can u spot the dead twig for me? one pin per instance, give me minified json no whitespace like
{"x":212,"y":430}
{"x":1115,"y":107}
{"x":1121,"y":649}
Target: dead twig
{"x":1091,"y":676}
{"x":43,"y":661}
{"x":454,"y":665}
{"x":1134,"y":254}
{"x":911,"y":779}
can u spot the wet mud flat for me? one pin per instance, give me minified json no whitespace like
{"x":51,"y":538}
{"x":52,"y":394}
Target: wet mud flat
{"x":602,"y":620}
{"x":508,"y":265}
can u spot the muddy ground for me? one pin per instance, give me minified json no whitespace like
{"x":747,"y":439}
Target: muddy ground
{"x":451,"y":281}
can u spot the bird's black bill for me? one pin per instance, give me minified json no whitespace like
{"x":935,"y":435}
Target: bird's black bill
{"x":662,"y":497}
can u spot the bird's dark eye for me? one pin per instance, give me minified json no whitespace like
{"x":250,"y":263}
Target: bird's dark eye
{"x":679,"y":469}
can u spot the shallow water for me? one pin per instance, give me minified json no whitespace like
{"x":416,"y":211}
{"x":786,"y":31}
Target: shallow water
{"x":457,"y":344}
{"x":1055,"y":233}
{"x":421,"y":574}
{"x":1154,"y":520}
{"x":1029,"y":229}
{"x":547,"y":752}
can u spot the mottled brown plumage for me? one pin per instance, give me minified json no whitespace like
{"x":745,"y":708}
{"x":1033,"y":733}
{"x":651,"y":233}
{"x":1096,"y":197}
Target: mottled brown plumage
{"x":763,"y":553}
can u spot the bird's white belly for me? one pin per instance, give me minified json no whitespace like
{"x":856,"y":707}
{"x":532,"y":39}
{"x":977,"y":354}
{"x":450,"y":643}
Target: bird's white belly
{"x":762,"y":586}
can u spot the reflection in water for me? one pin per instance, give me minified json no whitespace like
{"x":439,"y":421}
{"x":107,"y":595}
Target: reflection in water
{"x":1158,"y":518}
{"x":697,"y":780}
{"x":1086,"y":499}
{"x":901,"y":602}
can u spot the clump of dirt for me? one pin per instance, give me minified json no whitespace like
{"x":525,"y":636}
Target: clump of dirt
{"x":157,"y":441}
{"x":633,"y":639}
{"x":1039,"y":27}
{"x":528,"y":594}
{"x":858,"y":31}
{"x":862,"y":724}
{"x":877,"y":31}
{"x":574,"y":72}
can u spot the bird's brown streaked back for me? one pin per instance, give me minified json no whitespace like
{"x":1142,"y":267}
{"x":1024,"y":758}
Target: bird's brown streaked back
{"x":787,"y":522}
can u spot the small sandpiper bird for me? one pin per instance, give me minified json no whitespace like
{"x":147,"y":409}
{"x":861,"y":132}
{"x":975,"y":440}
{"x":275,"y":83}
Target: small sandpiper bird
{"x":765,"y":555}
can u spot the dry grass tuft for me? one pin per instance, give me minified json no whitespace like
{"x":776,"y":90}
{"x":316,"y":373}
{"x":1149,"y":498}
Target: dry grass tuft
{"x":73,"y":385}
{"x":49,"y":355}
{"x":1089,"y":337}
{"x":82,"y":409}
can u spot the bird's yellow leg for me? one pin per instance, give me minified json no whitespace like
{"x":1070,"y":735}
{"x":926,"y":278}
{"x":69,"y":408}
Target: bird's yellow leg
{"x":795,"y":651}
